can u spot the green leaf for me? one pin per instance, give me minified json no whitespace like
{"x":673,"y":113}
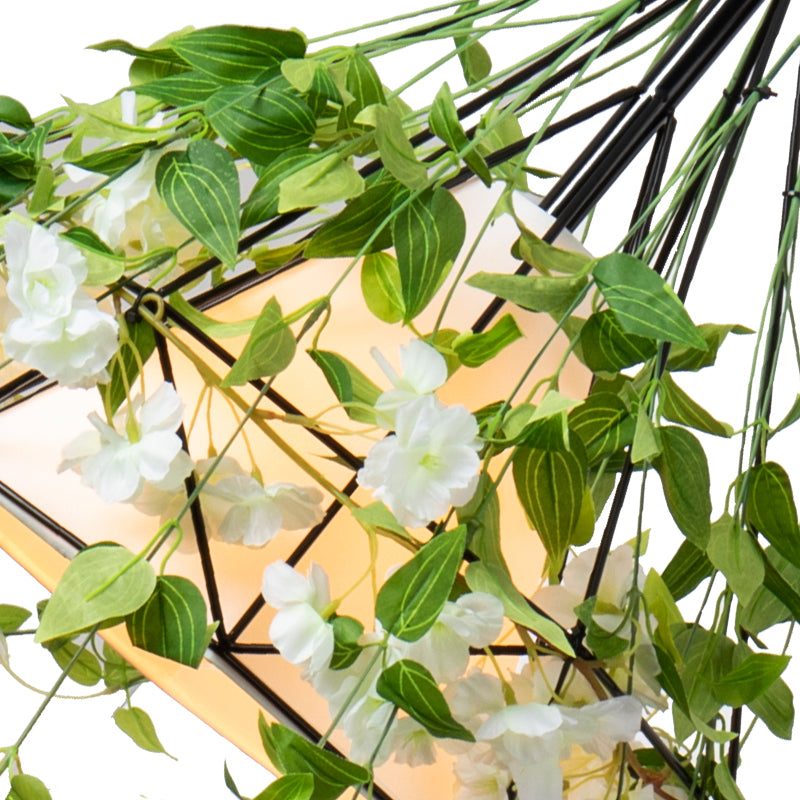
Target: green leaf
{"x":735,"y":553}
{"x":410,"y":601}
{"x":112,"y":160}
{"x":261,"y":123}
{"x":475,"y":349}
{"x":346,"y":649}
{"x":548,"y":258}
{"x":661,"y":605}
{"x":13,"y":113}
{"x":496,"y":580}
{"x":670,"y":680}
{"x":606,"y":347}
{"x":291,"y":753}
{"x":12,"y":617}
{"x":200,"y":186}
{"x":143,"y":338}
{"x":101,"y":583}
{"x":750,"y":679}
{"x":444,"y":122}
{"x":325,"y":180}
{"x":687,"y":569}
{"x":86,"y":670}
{"x":172,"y":623}
{"x":644,"y":302}
{"x":136,"y":723}
{"x":237,"y":53}
{"x":532,"y":292}
{"x":395,"y":150}
{"x":497,"y":132}
{"x":42,"y":196}
{"x":348,"y":232}
{"x":791,"y":417}
{"x":156,"y":52}
{"x":231,"y":784}
{"x":725,"y":781}
{"x":778,"y":600}
{"x":349,"y":384}
{"x":603,"y":423}
{"x":104,"y":267}
{"x":268,"y":259}
{"x":190,"y":88}
{"x":677,"y":406}
{"x":295,"y":786}
{"x":104,"y":121}
{"x":645,"y":445}
{"x":604,"y":644}
{"x":411,"y":686}
{"x":117,"y":672}
{"x":550,"y":486}
{"x":270,"y":348}
{"x":364,"y":86}
{"x":262,"y":204}
{"x":377,"y":515}
{"x":771,"y":509}
{"x":428,"y":233}
{"x":682,"y":358}
{"x":210,"y":326}
{"x":775,"y":708}
{"x":381,"y":287}
{"x":27,"y":787}
{"x":683,"y":469}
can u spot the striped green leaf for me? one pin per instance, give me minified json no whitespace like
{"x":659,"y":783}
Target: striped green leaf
{"x":645,"y":445}
{"x":136,"y":723}
{"x":644,"y":302}
{"x":495,"y":579}
{"x":683,"y":469}
{"x":550,"y":487}
{"x":677,"y":406}
{"x":172,"y":623}
{"x":200,"y":186}
{"x":101,"y":583}
{"x":268,"y":351}
{"x":125,"y":369}
{"x":771,"y":509}
{"x":428,"y":233}
{"x":349,"y":384}
{"x":380,"y":285}
{"x":184,"y":89}
{"x":736,"y":554}
{"x":349,"y":231}
{"x":325,"y":180}
{"x":476,"y":349}
{"x":603,"y":423}
{"x":533,"y":292}
{"x":154,"y":53}
{"x":364,"y":86}
{"x":395,"y":150}
{"x":444,"y":122}
{"x":682,"y":358}
{"x":548,"y":258}
{"x":294,"y":754}
{"x":411,"y":686}
{"x":410,"y":601}
{"x":261,"y":122}
{"x":687,"y":569}
{"x":237,"y":53}
{"x":606,"y":347}
{"x":750,"y":679}
{"x":111,"y":160}
{"x":262,"y":204}
{"x":295,"y":786}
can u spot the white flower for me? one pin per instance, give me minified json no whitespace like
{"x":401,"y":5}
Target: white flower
{"x":474,"y":619}
{"x":424,"y":371}
{"x":298,"y":630}
{"x":479,"y":775}
{"x":531,"y":739}
{"x":412,"y":744}
{"x":73,"y":350}
{"x":116,"y":463}
{"x":254,"y":513}
{"x":44,"y":271}
{"x":429,"y":464}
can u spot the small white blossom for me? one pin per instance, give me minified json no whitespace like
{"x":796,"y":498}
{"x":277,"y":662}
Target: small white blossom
{"x":479,"y":776}
{"x":412,"y":744}
{"x":429,"y":464}
{"x":298,"y":630}
{"x":424,"y":371}
{"x":116,"y":463}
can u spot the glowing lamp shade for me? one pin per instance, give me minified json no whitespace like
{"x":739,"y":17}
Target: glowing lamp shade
{"x":48,"y":516}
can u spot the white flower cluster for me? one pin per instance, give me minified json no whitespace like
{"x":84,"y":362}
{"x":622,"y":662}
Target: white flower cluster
{"x":431,"y":460}
{"x":55,"y":326}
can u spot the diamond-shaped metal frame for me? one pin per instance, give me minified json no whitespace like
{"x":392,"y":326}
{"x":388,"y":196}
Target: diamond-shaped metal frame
{"x":640,"y":114}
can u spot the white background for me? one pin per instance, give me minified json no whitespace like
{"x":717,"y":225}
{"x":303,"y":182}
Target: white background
{"x":77,"y":750}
